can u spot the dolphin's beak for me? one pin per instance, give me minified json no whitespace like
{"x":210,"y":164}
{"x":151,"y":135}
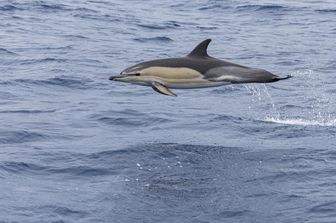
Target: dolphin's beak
{"x":114,"y":77}
{"x":122,"y":76}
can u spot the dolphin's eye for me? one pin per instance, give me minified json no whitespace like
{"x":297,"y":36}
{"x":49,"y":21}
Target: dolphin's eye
{"x":130,"y":74}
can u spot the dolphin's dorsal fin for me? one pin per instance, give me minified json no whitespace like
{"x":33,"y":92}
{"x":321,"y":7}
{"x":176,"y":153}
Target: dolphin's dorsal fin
{"x":201,"y":49}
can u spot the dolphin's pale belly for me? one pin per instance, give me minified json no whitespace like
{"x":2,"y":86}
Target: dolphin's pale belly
{"x":178,"y":77}
{"x":189,"y":83}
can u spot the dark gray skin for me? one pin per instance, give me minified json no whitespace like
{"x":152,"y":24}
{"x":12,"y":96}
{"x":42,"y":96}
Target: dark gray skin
{"x":213,"y":72}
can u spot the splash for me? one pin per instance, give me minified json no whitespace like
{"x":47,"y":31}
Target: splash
{"x":260,"y":94}
{"x":308,"y":104}
{"x":302,"y":122}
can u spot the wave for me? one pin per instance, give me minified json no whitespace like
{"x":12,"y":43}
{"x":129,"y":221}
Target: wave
{"x":302,"y":122}
{"x":100,"y":17}
{"x":28,"y":111}
{"x":16,"y":62}
{"x":154,"y":39}
{"x":326,"y":10}
{"x":167,"y":25}
{"x":81,"y":171}
{"x":206,"y":27}
{"x":4,"y":51}
{"x":226,"y":118}
{"x":15,"y":167}
{"x":12,"y":137}
{"x":127,"y":121}
{"x":129,"y":118}
{"x":262,"y":7}
{"x":44,"y":60}
{"x":62,"y":211}
{"x":213,"y":6}
{"x":9,"y":8}
{"x":43,"y":6}
{"x":75,"y":36}
{"x":40,"y":5}
{"x":7,"y":96}
{"x":327,"y":208}
{"x":69,"y":82}
{"x":35,"y":169}
{"x":53,"y":60}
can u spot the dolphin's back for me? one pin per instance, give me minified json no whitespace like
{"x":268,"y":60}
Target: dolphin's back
{"x":200,"y":64}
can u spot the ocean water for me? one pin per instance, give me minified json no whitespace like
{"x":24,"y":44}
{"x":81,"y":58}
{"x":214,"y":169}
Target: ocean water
{"x":76,"y":147}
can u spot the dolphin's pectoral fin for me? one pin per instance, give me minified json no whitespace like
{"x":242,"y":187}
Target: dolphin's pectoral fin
{"x":158,"y":87}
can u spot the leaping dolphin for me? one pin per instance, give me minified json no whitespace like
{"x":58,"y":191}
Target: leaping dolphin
{"x":196,"y":70}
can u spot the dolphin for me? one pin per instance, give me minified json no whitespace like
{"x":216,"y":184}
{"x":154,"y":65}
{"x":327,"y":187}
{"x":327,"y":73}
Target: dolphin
{"x":196,"y":70}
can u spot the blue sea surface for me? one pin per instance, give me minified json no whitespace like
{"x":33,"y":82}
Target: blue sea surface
{"x":76,"y":147}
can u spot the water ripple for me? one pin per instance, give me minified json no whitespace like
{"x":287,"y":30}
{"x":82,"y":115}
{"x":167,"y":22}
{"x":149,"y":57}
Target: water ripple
{"x":24,"y":168}
{"x":129,"y":118}
{"x":21,"y":136}
{"x":68,"y":82}
{"x":27,"y":111}
{"x":266,"y":8}
{"x":163,"y":26}
{"x":325,"y":208}
{"x":326,"y":10}
{"x":9,"y":8}
{"x":62,"y":211}
{"x":4,"y":51}
{"x":154,"y":39}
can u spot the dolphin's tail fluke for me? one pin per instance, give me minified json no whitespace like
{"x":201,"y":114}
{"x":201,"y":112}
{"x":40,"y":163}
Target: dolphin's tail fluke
{"x":281,"y":78}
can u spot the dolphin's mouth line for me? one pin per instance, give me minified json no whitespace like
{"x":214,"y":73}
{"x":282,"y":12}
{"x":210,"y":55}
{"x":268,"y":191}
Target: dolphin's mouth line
{"x":123,"y":75}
